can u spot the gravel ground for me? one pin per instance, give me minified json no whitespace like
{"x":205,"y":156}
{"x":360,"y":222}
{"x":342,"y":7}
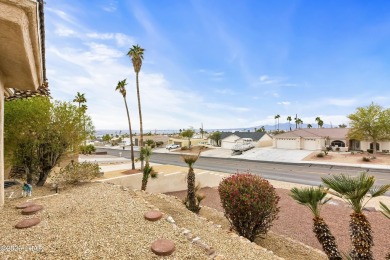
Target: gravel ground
{"x":295,"y":221}
{"x":101,"y":221}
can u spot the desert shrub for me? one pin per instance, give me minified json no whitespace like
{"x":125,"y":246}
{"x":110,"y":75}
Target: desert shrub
{"x":337,"y":149}
{"x":249,"y":203}
{"x":87,"y":149}
{"x":320,"y":155}
{"x":77,"y":172}
{"x":366,"y":159}
{"x":329,"y":148}
{"x":352,"y":152}
{"x":370,"y":150}
{"x":184,"y":148}
{"x":159,"y":143}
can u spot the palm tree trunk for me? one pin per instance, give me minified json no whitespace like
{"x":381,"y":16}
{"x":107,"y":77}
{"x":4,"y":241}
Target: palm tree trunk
{"x":131,"y":136}
{"x":141,"y":133}
{"x":361,"y":237}
{"x":326,"y":239}
{"x":191,"y":196}
{"x":145,"y":176}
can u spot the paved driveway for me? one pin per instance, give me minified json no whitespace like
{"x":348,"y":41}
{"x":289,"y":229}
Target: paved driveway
{"x":262,"y":154}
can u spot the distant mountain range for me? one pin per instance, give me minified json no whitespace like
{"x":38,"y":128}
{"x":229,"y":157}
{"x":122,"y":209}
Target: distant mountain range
{"x":282,"y":126}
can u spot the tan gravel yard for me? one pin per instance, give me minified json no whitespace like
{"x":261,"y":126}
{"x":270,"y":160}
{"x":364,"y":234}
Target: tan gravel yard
{"x":104,"y":221}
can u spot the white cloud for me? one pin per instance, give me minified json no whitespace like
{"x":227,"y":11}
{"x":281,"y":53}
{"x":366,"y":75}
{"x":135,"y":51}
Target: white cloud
{"x":120,"y":38}
{"x":284,"y":103}
{"x":224,"y":91}
{"x":64,"y":31}
{"x":342,"y":102}
{"x":111,"y":7}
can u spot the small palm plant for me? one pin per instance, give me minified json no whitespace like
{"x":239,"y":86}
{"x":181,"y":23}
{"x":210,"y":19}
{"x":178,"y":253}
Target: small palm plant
{"x":314,"y":198}
{"x":354,"y":191}
{"x":191,"y":202}
{"x":146,"y":152}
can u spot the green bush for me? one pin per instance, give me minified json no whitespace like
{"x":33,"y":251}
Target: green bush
{"x":370,"y":150}
{"x":77,"y":172}
{"x":87,"y":149}
{"x":159,"y":143}
{"x":320,"y":155}
{"x":249,"y":203}
{"x":184,"y":148}
{"x":337,"y":149}
{"x":366,"y":159}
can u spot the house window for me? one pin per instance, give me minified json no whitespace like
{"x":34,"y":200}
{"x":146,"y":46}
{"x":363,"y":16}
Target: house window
{"x":338,"y":143}
{"x":372,"y":146}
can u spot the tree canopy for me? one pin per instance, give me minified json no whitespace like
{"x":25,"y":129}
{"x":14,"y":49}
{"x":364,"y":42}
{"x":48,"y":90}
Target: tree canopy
{"x":370,"y":123}
{"x":38,"y":132}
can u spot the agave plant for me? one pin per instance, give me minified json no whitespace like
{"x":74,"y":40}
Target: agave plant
{"x":191,"y":202}
{"x":354,"y":191}
{"x":314,"y":199}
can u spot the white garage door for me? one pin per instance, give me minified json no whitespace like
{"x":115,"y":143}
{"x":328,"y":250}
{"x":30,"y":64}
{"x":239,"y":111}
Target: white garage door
{"x":309,"y":144}
{"x":227,"y":145}
{"x":286,"y":144}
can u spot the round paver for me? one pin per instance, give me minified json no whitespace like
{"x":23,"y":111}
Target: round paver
{"x":153,"y":215}
{"x":32,"y":209}
{"x":26,"y":223}
{"x":163,"y":247}
{"x":25,"y":205}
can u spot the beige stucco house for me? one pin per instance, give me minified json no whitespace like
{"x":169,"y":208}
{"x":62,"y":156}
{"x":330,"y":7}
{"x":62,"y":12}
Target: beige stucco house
{"x":258,"y":139}
{"x":313,"y":139}
{"x":320,"y":138}
{"x":22,"y":64}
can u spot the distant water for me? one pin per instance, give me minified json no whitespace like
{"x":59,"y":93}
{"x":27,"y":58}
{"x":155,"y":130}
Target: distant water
{"x":119,"y":132}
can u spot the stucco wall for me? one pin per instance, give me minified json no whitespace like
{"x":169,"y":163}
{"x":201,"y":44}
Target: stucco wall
{"x":20,"y":46}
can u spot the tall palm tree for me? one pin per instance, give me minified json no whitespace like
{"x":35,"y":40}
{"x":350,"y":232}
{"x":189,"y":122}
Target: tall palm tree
{"x":277,"y":117}
{"x":80,"y":98}
{"x":136,"y":53}
{"x":354,"y":191}
{"x":121,"y":87}
{"x":314,"y":198}
{"x":84,"y":109}
{"x":191,"y":202}
{"x":289,"y":121}
{"x":146,"y":152}
{"x":318,"y":120}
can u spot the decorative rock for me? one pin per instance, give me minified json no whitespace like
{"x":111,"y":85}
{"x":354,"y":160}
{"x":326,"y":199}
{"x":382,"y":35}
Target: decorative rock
{"x":153,"y":215}
{"x":26,"y":223}
{"x":163,"y":247}
{"x":195,"y":239}
{"x":370,"y":209}
{"x":25,"y":205}
{"x":32,"y":209}
{"x":170,"y":220}
{"x":210,"y":251}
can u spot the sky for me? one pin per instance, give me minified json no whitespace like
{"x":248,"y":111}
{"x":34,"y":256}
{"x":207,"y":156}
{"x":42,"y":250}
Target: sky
{"x":220,"y":63}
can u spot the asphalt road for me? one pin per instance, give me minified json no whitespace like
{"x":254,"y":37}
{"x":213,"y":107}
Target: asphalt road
{"x":303,"y":173}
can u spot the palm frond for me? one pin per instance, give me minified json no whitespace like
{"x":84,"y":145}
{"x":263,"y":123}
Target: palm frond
{"x":313,"y":198}
{"x":353,"y":190}
{"x":190,"y":159}
{"x":385,"y":210}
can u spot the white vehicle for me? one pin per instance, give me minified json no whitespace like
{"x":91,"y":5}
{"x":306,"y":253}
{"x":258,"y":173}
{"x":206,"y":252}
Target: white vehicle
{"x":172,"y":146}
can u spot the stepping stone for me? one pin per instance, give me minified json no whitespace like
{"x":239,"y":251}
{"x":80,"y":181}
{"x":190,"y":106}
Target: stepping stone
{"x":163,"y":247}
{"x":26,"y":223}
{"x":25,"y":205}
{"x":153,"y":215}
{"x":32,"y":209}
